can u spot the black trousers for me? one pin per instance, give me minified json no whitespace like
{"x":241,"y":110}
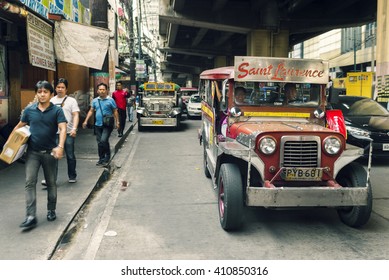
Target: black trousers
{"x":122,"y":120}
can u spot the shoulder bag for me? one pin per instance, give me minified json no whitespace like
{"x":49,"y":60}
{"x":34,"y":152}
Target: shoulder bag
{"x":108,"y":120}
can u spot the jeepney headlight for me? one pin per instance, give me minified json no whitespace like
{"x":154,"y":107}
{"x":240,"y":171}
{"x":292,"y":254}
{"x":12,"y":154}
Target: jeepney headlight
{"x":332,"y":145}
{"x":267,"y":145}
{"x":168,"y":107}
{"x":148,"y":106}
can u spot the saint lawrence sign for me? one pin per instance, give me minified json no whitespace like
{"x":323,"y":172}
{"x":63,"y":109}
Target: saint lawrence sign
{"x":248,"y":68}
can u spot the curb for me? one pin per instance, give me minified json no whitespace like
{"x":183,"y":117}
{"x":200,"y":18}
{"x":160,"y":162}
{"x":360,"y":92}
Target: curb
{"x":72,"y":226}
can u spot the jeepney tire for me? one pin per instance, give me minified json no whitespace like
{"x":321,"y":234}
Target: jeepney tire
{"x":140,"y":127}
{"x":178,"y":124}
{"x":205,"y":163}
{"x":351,"y":176}
{"x":230,"y":197}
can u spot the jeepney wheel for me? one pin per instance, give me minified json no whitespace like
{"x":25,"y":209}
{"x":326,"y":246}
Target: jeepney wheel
{"x":140,"y":127}
{"x":354,"y":175}
{"x":178,"y":124}
{"x":230,"y":197}
{"x":205,"y":163}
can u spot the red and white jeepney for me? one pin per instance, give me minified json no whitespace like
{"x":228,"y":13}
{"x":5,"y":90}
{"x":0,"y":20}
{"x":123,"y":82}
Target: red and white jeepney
{"x":266,"y":150}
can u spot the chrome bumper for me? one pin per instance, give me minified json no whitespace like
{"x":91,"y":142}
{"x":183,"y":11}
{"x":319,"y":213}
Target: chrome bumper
{"x":145,"y":121}
{"x":306,"y":196}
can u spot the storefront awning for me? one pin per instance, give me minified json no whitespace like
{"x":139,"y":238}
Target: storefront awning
{"x":80,"y":44}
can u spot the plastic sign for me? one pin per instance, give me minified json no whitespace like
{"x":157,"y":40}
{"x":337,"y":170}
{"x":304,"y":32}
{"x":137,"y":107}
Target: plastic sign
{"x":335,"y":121}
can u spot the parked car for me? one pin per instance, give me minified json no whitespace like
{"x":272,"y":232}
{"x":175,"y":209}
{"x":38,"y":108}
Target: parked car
{"x":365,"y":117}
{"x":194,"y":106}
{"x":186,"y":93}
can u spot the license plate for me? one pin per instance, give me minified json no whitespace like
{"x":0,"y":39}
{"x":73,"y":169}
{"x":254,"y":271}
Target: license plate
{"x":158,"y":122}
{"x":303,"y":174}
{"x":385,"y":147}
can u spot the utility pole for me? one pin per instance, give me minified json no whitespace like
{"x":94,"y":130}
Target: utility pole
{"x":99,"y":18}
{"x":131,"y":43}
{"x":139,"y":31}
{"x":355,"y":51}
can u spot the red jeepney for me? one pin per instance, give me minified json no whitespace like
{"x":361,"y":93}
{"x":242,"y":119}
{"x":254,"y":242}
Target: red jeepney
{"x":270,"y":141}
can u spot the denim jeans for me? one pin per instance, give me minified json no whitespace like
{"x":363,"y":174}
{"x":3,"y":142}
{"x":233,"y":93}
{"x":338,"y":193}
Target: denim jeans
{"x":130,"y":112}
{"x":70,"y":158}
{"x":102,"y":137}
{"x":34,"y":160}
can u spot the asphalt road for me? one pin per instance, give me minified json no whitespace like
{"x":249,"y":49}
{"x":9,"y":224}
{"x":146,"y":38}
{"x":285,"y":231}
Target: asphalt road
{"x":160,"y":206}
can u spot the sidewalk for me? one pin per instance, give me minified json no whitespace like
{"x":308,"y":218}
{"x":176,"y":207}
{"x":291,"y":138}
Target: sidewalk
{"x":39,"y":243}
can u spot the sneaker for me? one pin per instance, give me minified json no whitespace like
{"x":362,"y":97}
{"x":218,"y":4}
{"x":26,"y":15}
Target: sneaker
{"x":43,"y":183}
{"x":99,"y":163}
{"x":72,"y":181}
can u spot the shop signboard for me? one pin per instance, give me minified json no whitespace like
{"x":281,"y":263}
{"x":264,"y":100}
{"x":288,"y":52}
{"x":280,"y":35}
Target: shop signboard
{"x":40,"y":43}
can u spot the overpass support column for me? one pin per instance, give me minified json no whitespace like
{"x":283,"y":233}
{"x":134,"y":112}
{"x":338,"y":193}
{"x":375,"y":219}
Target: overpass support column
{"x":220,"y":61}
{"x":268,"y":43}
{"x":382,"y":53}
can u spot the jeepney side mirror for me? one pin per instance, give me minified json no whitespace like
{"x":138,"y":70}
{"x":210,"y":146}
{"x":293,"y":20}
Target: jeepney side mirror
{"x":224,"y":100}
{"x":235,"y":112}
{"x":319,"y":113}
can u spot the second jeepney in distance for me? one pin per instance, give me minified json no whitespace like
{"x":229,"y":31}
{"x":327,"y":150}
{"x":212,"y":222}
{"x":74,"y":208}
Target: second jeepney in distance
{"x":270,"y":141}
{"x":160,"y":105}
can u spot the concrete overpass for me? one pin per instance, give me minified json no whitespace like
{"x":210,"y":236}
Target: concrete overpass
{"x":201,"y":34}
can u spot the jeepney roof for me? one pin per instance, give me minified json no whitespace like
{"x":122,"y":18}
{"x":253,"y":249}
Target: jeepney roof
{"x":188,"y":89}
{"x":218,"y":73}
{"x":159,"y":86}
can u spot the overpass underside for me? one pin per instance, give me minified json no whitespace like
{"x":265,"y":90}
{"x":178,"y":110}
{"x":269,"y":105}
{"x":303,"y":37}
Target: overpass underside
{"x":203,"y":34}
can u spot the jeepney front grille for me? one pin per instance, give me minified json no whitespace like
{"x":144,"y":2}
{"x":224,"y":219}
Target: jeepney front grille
{"x":158,"y":107}
{"x":300,"y":151}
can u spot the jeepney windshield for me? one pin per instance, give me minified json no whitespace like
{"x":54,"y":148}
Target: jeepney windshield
{"x":276,"y":94}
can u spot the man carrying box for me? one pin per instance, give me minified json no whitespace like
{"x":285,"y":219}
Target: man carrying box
{"x":44,"y":120}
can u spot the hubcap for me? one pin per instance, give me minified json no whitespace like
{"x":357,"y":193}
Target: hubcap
{"x":221,"y":199}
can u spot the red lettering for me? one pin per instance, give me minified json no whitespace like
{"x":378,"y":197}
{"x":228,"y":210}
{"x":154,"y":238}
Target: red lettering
{"x":279,"y":74}
{"x":262,"y":71}
{"x":241,"y":68}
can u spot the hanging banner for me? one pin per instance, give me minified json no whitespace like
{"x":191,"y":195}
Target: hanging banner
{"x":40,"y":43}
{"x":140,"y":69}
{"x":80,"y":44}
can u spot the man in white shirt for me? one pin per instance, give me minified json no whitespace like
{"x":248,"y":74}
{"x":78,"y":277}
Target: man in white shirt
{"x":71,"y":110}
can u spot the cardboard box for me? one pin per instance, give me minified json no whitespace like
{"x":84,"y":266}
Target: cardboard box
{"x":16,"y":145}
